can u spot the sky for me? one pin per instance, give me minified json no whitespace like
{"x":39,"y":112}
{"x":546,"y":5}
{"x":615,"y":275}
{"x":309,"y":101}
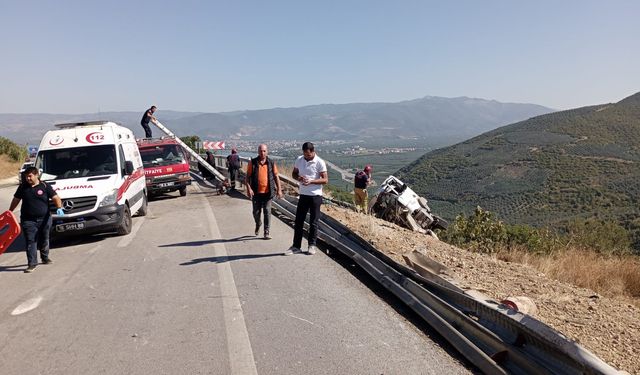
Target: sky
{"x":217,"y":56}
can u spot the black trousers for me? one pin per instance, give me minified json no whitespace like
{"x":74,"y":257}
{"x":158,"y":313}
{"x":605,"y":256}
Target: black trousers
{"x":36,"y":234}
{"x":311,"y":204}
{"x":147,"y":130}
{"x":233,"y":175}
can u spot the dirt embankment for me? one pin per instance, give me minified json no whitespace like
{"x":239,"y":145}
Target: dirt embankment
{"x":609,"y":327}
{"x":9,"y":168}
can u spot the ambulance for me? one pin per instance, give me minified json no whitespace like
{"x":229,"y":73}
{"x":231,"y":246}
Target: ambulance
{"x":96,"y":169}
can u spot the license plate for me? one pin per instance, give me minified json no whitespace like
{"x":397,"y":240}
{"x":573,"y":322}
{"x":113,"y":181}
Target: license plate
{"x":69,"y":226}
{"x":165,"y":184}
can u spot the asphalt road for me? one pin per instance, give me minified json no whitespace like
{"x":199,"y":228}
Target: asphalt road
{"x":192,"y":291}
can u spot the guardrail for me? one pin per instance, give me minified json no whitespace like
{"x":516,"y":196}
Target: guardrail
{"x":494,"y":338}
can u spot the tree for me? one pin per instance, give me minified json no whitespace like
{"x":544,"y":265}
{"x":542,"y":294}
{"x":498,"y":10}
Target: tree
{"x":191,"y":140}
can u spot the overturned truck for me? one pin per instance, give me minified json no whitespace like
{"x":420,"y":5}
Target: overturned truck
{"x":397,"y":203}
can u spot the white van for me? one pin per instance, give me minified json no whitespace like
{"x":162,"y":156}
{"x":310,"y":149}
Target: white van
{"x":96,"y":169}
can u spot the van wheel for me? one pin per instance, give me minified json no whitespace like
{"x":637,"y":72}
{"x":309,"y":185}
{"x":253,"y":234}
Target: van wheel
{"x":183,"y":191}
{"x":142,"y":211}
{"x":125,"y":225}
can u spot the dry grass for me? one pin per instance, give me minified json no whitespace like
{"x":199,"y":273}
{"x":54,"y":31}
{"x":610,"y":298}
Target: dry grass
{"x":609,"y":276}
{"x":8,"y":168}
{"x":285,"y":169}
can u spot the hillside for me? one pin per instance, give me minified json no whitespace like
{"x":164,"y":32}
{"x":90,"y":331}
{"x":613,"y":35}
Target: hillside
{"x":545,"y":170}
{"x":12,"y":156}
{"x":438,"y":120}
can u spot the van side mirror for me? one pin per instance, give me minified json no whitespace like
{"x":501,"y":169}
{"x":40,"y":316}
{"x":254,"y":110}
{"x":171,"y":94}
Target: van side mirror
{"x":128,"y":167}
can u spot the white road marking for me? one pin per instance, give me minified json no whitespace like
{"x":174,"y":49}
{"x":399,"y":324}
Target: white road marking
{"x":240,"y":353}
{"x":293,"y":316}
{"x":27,"y":305}
{"x":126,"y":240}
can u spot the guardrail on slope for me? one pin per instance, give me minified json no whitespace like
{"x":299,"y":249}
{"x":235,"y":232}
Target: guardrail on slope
{"x":492,"y":337}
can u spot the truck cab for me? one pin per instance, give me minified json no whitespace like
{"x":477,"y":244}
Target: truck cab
{"x":96,"y":169}
{"x":166,"y":165}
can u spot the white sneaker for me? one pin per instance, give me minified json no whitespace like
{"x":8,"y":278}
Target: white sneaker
{"x":291,"y":251}
{"x":312,"y":249}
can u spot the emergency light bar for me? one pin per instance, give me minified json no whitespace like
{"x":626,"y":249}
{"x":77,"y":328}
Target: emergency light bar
{"x":79,"y":124}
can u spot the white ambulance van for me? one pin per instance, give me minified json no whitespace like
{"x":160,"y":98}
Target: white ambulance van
{"x":96,"y":169}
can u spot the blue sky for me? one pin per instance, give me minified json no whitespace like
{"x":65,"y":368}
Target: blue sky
{"x":213,"y":56}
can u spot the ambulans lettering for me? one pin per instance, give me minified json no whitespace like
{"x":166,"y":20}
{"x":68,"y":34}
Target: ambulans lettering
{"x":72,"y":187}
{"x":95,"y":137}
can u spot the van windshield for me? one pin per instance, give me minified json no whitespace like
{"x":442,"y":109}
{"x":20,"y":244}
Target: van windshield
{"x":77,"y":162}
{"x":161,"y":155}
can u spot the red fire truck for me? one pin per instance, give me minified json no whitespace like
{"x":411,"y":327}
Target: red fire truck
{"x":166,"y":165}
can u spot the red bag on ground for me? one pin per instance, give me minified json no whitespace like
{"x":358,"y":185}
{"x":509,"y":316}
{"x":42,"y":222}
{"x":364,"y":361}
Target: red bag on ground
{"x":9,"y":230}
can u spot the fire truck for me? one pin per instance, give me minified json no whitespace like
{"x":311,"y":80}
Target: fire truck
{"x":166,"y":165}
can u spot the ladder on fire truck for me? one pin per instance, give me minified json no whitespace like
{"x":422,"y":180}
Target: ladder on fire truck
{"x":204,"y":163}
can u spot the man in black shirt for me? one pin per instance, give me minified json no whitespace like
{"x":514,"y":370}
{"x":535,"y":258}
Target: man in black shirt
{"x":233,"y":165}
{"x":148,"y":116}
{"x":361,"y":181}
{"x":35,"y":218}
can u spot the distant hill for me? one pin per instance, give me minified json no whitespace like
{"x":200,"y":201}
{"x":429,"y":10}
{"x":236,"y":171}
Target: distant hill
{"x":548,"y":169}
{"x":440,"y":120}
{"x":443,"y":120}
{"x":29,"y":128}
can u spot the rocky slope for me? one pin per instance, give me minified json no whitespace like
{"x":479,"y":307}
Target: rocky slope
{"x":609,"y":327}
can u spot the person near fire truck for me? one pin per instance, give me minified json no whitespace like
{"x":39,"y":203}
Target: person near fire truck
{"x":233,"y":166}
{"x":146,"y":118}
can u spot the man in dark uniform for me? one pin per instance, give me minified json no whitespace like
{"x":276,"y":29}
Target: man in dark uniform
{"x":35,"y":218}
{"x":233,"y":165}
{"x":148,"y":116}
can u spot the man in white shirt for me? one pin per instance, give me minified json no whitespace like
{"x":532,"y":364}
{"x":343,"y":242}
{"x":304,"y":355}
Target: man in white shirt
{"x":311,"y":173}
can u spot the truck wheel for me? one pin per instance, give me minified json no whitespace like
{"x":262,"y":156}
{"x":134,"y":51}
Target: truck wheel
{"x":183,"y":191}
{"x":142,"y":211}
{"x":125,"y":225}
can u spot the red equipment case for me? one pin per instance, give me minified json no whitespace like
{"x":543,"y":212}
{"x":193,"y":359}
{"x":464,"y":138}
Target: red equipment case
{"x":9,"y":230}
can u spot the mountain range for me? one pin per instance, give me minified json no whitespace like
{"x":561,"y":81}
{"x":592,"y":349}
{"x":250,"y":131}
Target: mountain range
{"x":440,"y":120}
{"x":547,"y":170}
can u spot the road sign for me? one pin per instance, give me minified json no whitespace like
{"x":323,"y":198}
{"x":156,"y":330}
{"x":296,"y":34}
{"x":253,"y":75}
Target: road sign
{"x":32,"y":150}
{"x":207,"y":145}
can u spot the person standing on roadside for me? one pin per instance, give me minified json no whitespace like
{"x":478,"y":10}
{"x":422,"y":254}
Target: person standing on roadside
{"x":361,"y":181}
{"x":148,"y":116}
{"x":263,"y":184}
{"x":233,"y":165}
{"x":206,"y":174}
{"x":35,"y":218}
{"x":311,"y":173}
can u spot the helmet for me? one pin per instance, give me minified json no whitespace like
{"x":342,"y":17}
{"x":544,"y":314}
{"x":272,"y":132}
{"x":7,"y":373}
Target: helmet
{"x":368,"y":168}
